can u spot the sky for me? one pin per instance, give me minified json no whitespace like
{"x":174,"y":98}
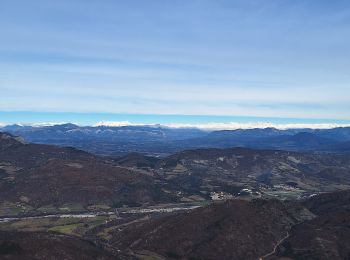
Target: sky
{"x":212,"y":60}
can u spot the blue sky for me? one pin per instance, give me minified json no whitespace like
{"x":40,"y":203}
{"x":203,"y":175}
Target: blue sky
{"x":254,"y":59}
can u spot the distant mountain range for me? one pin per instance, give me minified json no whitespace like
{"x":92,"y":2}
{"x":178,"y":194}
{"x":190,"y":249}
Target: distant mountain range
{"x":162,"y":141}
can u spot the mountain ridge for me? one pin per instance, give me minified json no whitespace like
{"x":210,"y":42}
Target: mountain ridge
{"x":162,"y":141}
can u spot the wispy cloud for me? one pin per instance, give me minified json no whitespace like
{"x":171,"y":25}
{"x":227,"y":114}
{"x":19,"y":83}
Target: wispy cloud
{"x":282,"y":59}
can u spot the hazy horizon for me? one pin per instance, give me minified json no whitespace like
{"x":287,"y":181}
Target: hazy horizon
{"x":175,"y":121}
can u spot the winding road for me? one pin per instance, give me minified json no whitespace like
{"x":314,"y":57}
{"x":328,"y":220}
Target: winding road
{"x":275,"y":247}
